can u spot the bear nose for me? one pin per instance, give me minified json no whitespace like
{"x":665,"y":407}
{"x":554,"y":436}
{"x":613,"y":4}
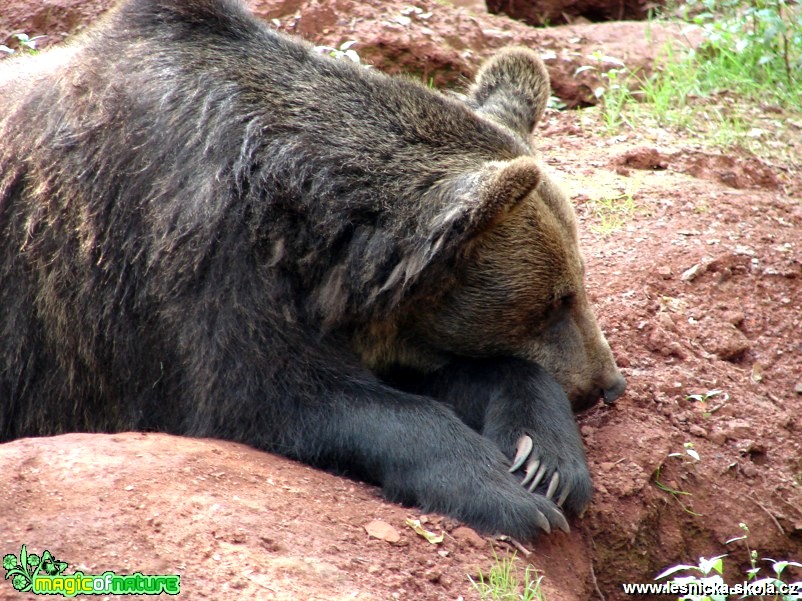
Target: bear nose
{"x":615,"y":389}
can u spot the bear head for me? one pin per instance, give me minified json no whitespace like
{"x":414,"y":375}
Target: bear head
{"x":518,"y":286}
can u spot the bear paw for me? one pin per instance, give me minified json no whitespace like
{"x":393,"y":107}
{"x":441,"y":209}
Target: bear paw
{"x":567,"y":483}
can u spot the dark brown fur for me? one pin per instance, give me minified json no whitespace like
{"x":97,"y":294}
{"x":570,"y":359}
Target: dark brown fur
{"x":207,"y":229}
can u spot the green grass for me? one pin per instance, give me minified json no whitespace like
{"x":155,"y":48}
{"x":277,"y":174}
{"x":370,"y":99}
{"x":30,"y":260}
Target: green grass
{"x":752,"y":49}
{"x":747,"y":68}
{"x":613,"y":211}
{"x":502,"y":582}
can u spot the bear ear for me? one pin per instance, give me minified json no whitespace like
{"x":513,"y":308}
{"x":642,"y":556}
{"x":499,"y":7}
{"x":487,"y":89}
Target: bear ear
{"x":481,"y":199}
{"x":503,"y":186}
{"x":513,"y":89}
{"x":465,"y":207}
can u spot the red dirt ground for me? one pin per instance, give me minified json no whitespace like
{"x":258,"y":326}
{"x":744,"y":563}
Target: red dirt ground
{"x":699,"y":288}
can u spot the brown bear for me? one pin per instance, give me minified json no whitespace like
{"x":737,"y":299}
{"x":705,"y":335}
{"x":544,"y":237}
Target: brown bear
{"x":208,"y":229}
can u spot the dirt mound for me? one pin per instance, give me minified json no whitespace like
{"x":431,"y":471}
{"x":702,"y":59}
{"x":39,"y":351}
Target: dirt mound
{"x":429,"y":40}
{"x":442,"y":45}
{"x":557,"y":12}
{"x":232,"y":522}
{"x":698,"y":284}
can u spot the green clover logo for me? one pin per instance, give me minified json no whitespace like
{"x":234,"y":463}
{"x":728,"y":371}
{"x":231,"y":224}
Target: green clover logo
{"x":23,"y":570}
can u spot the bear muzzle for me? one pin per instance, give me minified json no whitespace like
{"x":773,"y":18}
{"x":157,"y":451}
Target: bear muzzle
{"x":608,"y":388}
{"x":614,"y":389}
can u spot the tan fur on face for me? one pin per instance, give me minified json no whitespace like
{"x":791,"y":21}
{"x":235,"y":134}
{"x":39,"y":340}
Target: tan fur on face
{"x":505,"y":291}
{"x":509,"y":300}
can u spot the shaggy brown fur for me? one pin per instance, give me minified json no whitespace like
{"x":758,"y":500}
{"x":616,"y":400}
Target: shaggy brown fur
{"x":208,"y":229}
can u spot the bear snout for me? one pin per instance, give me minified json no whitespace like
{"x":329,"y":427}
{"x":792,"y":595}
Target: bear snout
{"x":608,"y":388}
{"x":614,"y":389}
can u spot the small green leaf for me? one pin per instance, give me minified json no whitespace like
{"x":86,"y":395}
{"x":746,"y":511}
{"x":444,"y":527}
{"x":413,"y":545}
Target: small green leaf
{"x":714,"y":563}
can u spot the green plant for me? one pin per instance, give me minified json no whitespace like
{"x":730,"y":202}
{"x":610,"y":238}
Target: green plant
{"x":344,"y":51}
{"x":25,"y":42}
{"x":669,"y":89}
{"x":689,"y":452}
{"x":704,"y":397}
{"x":705,"y":581}
{"x":754,"y":47}
{"x":612,"y":211}
{"x":743,"y":66}
{"x":614,"y":94}
{"x":502,"y":584}
{"x":616,"y":97}
{"x":674,"y":492}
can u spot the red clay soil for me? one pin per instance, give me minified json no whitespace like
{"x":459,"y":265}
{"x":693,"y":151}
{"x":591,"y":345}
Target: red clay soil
{"x":698,"y":287}
{"x":560,"y":12}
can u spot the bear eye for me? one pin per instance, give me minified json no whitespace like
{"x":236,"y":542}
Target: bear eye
{"x":566,"y":301}
{"x":560,"y":308}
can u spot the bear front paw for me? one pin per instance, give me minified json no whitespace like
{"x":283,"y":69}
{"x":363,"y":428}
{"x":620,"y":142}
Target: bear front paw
{"x":567,"y":483}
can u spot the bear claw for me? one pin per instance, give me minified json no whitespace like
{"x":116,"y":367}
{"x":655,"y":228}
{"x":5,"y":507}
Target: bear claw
{"x":543,"y":522}
{"x":538,"y":476}
{"x":564,"y":496}
{"x":535,"y":472}
{"x":558,"y":519}
{"x":525,"y":446}
{"x":554,"y":484}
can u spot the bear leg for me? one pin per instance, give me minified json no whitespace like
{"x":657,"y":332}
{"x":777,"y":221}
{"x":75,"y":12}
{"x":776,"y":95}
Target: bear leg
{"x":519,"y":406}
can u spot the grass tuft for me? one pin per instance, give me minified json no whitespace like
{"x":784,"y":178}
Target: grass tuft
{"x":502,"y":582}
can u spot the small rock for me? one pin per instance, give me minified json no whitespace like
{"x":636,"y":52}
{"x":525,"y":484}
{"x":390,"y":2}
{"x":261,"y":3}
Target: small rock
{"x":738,"y":429}
{"x":675,"y":349}
{"x":623,"y":359}
{"x":798,"y":387}
{"x":717,"y":436}
{"x":644,"y":158}
{"x":665,"y":320}
{"x":382,"y":531}
{"x":663,"y":341}
{"x":725,"y":341}
{"x":469,"y":536}
{"x":690,"y":274}
{"x":665,"y":272}
{"x":697,"y":431}
{"x":748,"y":470}
{"x":736,"y":318}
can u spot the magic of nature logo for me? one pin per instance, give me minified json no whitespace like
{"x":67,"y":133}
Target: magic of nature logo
{"x":44,"y":575}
